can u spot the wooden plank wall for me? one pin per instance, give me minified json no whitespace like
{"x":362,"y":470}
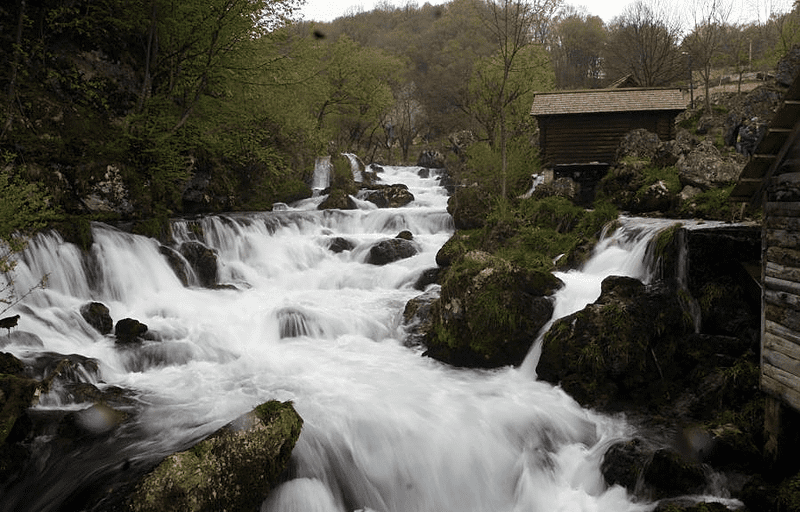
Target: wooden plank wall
{"x":591,"y":138}
{"x":780,"y":339}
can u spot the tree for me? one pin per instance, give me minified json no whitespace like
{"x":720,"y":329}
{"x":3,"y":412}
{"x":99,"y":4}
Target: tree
{"x":643,"y":43}
{"x":705,"y":43}
{"x":511,"y":74}
{"x":355,"y":91}
{"x":579,"y":41}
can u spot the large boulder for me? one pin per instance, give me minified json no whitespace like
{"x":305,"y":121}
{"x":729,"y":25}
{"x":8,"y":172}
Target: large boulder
{"x":615,"y":351}
{"x":97,"y":315}
{"x":393,"y":249}
{"x":469,"y":207}
{"x":337,"y":200}
{"x":489,"y":312}
{"x":706,"y":168}
{"x":652,"y":472}
{"x":391,"y":196}
{"x":129,"y":330}
{"x":233,"y":469}
{"x":639,"y":144}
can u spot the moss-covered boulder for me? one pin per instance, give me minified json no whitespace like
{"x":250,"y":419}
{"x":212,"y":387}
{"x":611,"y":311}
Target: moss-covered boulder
{"x":617,"y":349}
{"x":490,"y":312}
{"x":233,"y":469}
{"x":469,"y":207}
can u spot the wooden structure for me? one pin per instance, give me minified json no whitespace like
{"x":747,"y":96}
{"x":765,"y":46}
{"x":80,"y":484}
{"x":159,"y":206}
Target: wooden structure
{"x":586,"y":127}
{"x":772,"y":178}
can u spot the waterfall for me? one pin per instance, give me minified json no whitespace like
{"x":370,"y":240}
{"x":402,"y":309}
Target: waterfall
{"x":322,"y":174}
{"x":356,"y":166}
{"x":385,"y":429}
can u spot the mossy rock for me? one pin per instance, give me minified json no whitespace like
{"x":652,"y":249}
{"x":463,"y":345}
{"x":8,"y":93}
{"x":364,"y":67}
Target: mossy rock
{"x":233,"y":469}
{"x":469,"y":207}
{"x":490,"y":312}
{"x":627,"y":346}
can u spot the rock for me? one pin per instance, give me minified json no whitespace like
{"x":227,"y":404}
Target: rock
{"x":668,"y":475}
{"x":129,"y":331}
{"x":180,"y":266}
{"x":688,"y":193}
{"x":233,"y":469}
{"x":559,"y":187}
{"x":59,"y":370}
{"x":638,"y":144}
{"x":393,"y":249}
{"x":654,"y":198}
{"x":788,"y":67}
{"x":430,"y":158}
{"x":650,"y":472}
{"x":457,"y":246}
{"x":706,"y":168}
{"x":427,"y":278}
{"x":10,"y":365}
{"x":469,"y":208}
{"x":97,"y":315}
{"x":612,"y":351}
{"x":489,"y":312}
{"x":417,"y":318}
{"x":203,"y":260}
{"x":424,"y":173}
{"x":340,"y":244}
{"x":109,"y":194}
{"x":391,"y":196}
{"x":623,"y":462}
{"x":337,"y":200}
{"x":405,"y":235}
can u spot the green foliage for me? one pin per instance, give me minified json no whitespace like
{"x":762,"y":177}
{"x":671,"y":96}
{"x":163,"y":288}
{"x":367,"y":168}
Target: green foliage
{"x":24,"y":209}
{"x":667,"y":175}
{"x":711,"y":204}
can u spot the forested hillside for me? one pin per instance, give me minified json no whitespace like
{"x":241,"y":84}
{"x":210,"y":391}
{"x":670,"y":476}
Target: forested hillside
{"x":149,"y":108}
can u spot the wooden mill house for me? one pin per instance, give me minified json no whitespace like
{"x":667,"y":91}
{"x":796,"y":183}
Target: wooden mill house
{"x":579,"y":131}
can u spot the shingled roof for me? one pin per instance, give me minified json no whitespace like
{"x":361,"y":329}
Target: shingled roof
{"x":598,"y":101}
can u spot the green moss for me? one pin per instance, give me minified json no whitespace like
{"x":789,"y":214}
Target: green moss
{"x":159,"y":228}
{"x":233,"y":469}
{"x":712,"y":204}
{"x":652,"y":175}
{"x":789,"y":495}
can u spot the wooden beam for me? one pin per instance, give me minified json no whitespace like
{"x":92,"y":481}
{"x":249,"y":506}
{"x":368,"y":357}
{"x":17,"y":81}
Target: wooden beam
{"x":772,"y":384}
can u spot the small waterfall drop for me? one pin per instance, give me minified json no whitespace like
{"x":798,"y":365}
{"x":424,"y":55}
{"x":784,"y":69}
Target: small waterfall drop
{"x":322,"y":174}
{"x":356,"y":166}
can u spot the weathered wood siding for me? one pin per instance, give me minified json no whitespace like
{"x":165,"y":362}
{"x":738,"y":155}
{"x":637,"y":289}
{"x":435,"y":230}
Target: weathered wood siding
{"x":780,"y":341}
{"x":588,"y":138}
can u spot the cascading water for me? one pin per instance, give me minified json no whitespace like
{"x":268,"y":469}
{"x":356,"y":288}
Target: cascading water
{"x":385,"y":428}
{"x":322,"y":174}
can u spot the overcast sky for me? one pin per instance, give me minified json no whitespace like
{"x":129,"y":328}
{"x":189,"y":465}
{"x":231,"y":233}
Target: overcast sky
{"x":327,"y":10}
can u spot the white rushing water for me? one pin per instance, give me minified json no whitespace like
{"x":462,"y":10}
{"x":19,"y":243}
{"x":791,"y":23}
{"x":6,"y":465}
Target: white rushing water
{"x":386,"y":429}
